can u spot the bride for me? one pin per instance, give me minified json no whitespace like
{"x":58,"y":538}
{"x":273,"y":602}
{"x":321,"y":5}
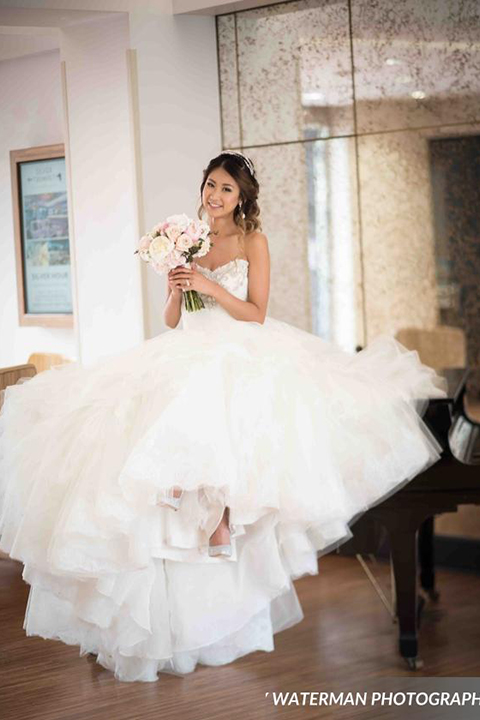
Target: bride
{"x":163,"y":500}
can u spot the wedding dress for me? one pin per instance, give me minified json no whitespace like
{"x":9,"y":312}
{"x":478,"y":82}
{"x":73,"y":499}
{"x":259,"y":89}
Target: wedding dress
{"x":296,"y":436}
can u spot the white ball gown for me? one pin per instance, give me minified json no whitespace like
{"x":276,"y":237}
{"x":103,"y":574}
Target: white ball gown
{"x":296,"y":436}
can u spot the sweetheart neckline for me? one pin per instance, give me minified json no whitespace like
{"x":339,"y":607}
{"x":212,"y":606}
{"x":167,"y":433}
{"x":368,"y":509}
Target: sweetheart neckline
{"x":224,"y":265}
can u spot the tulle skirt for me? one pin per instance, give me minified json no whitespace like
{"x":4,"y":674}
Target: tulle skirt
{"x":297,"y":437}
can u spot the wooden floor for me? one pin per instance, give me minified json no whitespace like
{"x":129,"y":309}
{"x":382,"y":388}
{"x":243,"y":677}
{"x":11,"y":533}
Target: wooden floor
{"x":346,"y":642}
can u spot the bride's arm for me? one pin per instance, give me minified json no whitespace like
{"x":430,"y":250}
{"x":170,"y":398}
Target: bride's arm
{"x":255,"y":308}
{"x":173,"y":305}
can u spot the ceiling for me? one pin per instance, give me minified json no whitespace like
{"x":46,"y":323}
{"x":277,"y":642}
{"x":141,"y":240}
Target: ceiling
{"x":26,"y":31}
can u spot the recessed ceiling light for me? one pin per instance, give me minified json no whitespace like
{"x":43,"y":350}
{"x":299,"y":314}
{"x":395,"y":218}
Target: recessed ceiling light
{"x":393,"y":61}
{"x":313,"y":98}
{"x":418,"y":94}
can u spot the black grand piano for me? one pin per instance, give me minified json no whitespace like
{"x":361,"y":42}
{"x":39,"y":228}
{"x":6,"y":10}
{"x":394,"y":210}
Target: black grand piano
{"x":405,"y":520}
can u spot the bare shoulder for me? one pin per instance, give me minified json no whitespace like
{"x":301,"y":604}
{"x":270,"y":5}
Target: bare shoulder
{"x":256,"y":245}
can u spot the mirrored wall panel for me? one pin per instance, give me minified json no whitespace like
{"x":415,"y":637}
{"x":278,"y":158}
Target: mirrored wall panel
{"x":308,"y":201}
{"x":283,"y":201}
{"x":397,"y":232}
{"x":294,"y":72}
{"x":416,"y":63}
{"x":454,"y":163}
{"x":227,"y":58}
{"x":364,"y":120}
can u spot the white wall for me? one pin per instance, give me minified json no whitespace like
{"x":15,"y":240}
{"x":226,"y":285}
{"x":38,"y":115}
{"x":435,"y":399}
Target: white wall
{"x":102,"y":184}
{"x":30,"y":115}
{"x":179,"y":110}
{"x":134,"y":158}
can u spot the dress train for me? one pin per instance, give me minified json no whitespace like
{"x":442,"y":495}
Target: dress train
{"x":297,"y":437}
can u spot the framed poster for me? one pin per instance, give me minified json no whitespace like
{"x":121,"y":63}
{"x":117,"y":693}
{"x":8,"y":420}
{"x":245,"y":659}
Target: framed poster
{"x":42,"y":244}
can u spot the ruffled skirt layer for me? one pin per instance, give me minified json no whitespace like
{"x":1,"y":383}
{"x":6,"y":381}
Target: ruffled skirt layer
{"x":297,"y":437}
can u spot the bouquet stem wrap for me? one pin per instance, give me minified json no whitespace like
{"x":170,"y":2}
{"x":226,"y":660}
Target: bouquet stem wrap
{"x":193,"y":301}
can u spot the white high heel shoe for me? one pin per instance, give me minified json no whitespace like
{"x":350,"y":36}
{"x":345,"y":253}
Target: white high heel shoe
{"x":169,"y":499}
{"x":224,"y":550}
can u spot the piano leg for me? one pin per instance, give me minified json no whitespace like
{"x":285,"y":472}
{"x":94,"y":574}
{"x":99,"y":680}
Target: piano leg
{"x":403,"y":518}
{"x":426,"y":558}
{"x":403,"y":546}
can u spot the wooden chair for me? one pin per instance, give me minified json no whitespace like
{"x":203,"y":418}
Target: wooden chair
{"x":44,"y":361}
{"x":13,"y":375}
{"x":442,"y":347}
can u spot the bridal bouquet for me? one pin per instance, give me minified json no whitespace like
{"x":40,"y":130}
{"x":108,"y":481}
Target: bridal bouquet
{"x":175,"y":242}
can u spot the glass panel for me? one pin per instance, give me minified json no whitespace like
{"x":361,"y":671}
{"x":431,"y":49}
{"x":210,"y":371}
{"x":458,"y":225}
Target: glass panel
{"x":227,"y":56}
{"x":455,"y":175}
{"x":397,"y":233}
{"x":416,"y":63}
{"x":308,"y":203}
{"x":295,"y":71}
{"x":414,"y":76}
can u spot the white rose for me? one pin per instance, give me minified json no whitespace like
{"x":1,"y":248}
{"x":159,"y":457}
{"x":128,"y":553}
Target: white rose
{"x":160,"y":247}
{"x":205,"y":247}
{"x":184,"y":242}
{"x":161,"y":267}
{"x":175,"y":259}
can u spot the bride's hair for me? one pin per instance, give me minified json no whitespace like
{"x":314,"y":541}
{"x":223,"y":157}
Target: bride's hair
{"x":240,"y":170}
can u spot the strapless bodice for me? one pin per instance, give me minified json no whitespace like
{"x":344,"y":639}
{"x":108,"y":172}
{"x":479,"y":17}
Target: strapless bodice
{"x":233,"y":276}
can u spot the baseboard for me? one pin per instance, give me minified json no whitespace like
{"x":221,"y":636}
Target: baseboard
{"x":457,"y":552}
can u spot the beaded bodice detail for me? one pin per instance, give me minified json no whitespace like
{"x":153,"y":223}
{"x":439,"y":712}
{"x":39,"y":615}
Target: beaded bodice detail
{"x":233,"y":276}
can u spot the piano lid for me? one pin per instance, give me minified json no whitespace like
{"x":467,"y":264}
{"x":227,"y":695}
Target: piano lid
{"x":464,"y":432}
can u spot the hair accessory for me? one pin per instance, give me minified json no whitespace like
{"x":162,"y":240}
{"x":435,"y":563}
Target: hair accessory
{"x":243,"y":157}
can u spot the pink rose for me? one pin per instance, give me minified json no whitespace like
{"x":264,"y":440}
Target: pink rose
{"x":172,"y":232}
{"x":144,"y":243}
{"x":160,"y":227}
{"x":193,"y":231}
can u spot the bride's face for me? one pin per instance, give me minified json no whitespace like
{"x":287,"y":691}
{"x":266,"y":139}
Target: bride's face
{"x":221,"y":194}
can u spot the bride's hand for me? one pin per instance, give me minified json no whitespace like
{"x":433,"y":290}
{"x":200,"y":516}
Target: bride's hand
{"x":174,"y":287}
{"x":185,"y":278}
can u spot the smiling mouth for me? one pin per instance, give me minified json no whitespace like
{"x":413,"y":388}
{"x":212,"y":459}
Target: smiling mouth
{"x":216,"y":207}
